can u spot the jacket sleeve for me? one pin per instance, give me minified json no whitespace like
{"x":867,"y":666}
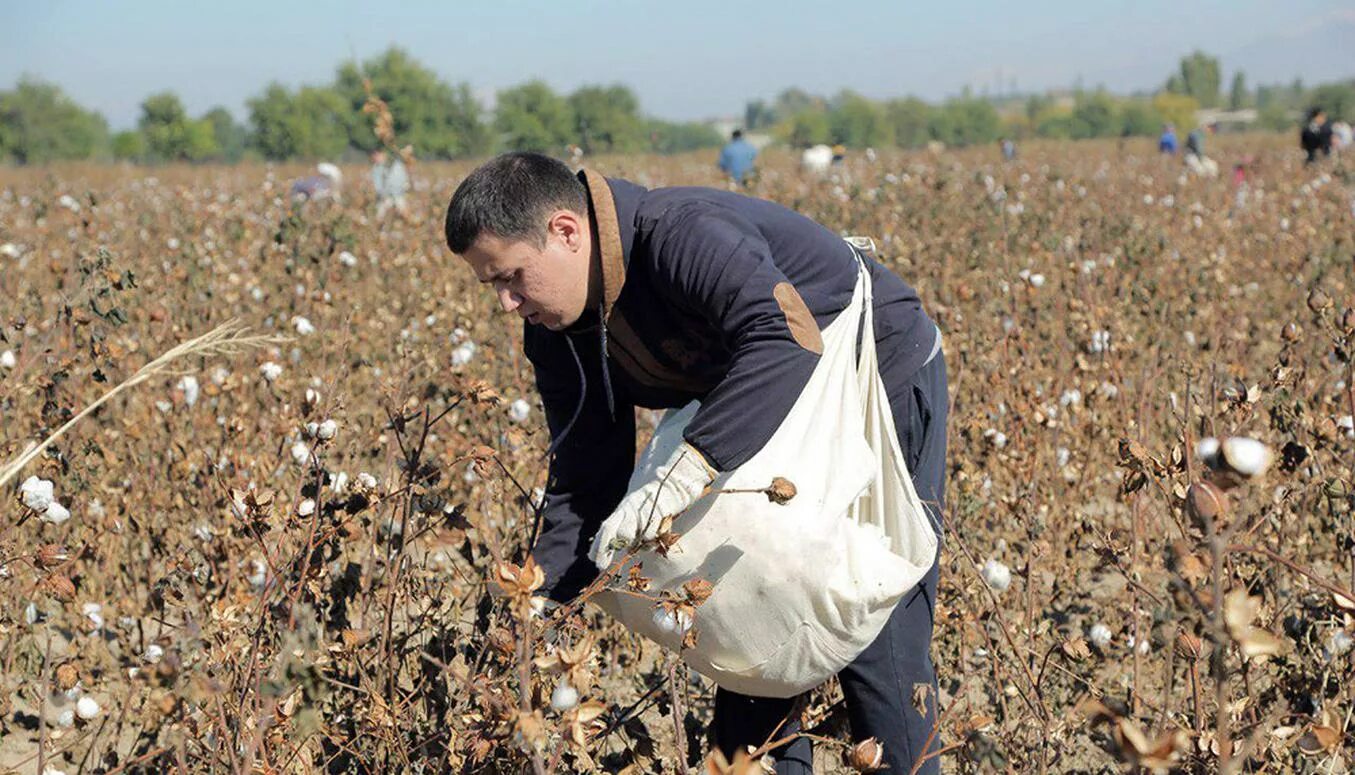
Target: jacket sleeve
{"x":590,"y":469}
{"x":717,"y":265}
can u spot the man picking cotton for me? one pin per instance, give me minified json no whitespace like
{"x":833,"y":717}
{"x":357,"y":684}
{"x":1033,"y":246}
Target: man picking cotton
{"x":658,"y":298}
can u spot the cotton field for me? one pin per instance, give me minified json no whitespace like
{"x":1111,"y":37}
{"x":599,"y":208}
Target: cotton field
{"x":282,"y":526}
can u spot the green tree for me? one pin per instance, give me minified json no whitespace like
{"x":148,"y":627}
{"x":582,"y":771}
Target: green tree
{"x":313,"y":123}
{"x":231,"y":138}
{"x":1237,"y":95}
{"x":808,"y":127}
{"x":1199,"y":77}
{"x":440,"y":120}
{"x":1338,"y":99}
{"x":793,"y":101}
{"x":1177,"y":109}
{"x":129,"y":145}
{"x":170,"y":134}
{"x":908,"y":119}
{"x":39,"y":124}
{"x":757,"y":114}
{"x":966,"y":121}
{"x":532,"y":117}
{"x":1093,"y":116}
{"x":607,"y":119}
{"x":857,"y":122}
{"x":1138,"y":119}
{"x":677,"y":137}
{"x":1054,"y":122}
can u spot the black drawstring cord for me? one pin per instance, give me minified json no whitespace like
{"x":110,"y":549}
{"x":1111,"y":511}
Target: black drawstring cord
{"x":578,"y":408}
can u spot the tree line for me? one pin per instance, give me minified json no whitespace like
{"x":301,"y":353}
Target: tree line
{"x":39,"y":123}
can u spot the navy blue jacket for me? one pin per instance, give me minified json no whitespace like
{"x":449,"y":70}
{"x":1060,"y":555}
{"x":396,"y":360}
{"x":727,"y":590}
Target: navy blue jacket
{"x":707,"y":295}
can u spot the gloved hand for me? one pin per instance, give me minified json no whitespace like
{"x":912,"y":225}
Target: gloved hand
{"x":676,"y":485}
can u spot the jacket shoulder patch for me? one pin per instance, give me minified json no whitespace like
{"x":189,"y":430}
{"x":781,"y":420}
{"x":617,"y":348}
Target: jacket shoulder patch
{"x":798,"y":317}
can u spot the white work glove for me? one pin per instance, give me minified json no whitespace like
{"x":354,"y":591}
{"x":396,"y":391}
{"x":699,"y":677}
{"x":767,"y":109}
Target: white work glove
{"x":676,"y":485}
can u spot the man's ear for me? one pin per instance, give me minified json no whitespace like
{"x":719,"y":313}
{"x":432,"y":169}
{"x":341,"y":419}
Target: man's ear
{"x":568,"y":226}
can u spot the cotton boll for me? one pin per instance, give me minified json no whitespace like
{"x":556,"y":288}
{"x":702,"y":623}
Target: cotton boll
{"x":66,"y":718}
{"x":348,"y":259}
{"x":1339,"y":644}
{"x":94,"y":613}
{"x":564,"y":697}
{"x":1248,"y":457}
{"x":259,"y":574}
{"x":87,"y":707}
{"x":48,"y":769}
{"x":153,"y":653}
{"x":672,"y":622}
{"x":270,"y":371}
{"x":55,"y":514}
{"x":36,"y":493}
{"x":463,"y":354}
{"x":998,"y":575}
{"x":519,"y":410}
{"x":302,"y":326}
{"x":301,"y":454}
{"x":1037,"y":280}
{"x":1099,"y":635}
{"x":339,"y":483}
{"x":327,"y":430}
{"x":366,"y":481}
{"x":7,"y":360}
{"x":188,"y":385}
{"x":306,"y":507}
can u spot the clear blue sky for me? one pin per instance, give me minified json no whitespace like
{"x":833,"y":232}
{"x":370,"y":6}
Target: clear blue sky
{"x":686,"y":60}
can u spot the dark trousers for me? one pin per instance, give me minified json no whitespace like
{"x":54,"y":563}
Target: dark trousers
{"x":885,"y":684}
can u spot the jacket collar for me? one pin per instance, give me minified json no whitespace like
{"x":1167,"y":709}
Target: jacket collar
{"x":612,"y":204}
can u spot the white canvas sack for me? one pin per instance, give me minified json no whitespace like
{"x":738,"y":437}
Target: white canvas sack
{"x":800,"y":589}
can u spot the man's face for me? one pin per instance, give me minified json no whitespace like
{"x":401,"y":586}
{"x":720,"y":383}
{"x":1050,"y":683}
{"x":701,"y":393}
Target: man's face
{"x":546,"y":285}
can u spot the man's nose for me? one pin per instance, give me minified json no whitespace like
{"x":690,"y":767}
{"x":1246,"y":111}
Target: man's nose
{"x":509,"y":300}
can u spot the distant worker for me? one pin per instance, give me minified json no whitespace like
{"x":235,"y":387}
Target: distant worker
{"x":390,"y":181}
{"x":1008,"y":147}
{"x":736,"y":158}
{"x":1196,"y":160}
{"x":1316,"y":135}
{"x":1167,"y":142}
{"x":839,"y":154}
{"x":322,"y":186}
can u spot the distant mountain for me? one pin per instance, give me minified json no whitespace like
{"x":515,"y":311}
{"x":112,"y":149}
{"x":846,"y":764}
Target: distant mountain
{"x":1319,"y":52}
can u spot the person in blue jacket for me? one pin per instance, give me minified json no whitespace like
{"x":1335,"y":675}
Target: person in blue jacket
{"x":634,"y":297}
{"x":736,"y":158}
{"x":1167,"y":142}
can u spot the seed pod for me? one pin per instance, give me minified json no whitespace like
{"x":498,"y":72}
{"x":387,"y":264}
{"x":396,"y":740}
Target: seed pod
{"x":1189,"y":646}
{"x":59,"y":587}
{"x":1318,"y":300}
{"x":781,"y":491}
{"x":1348,"y":321}
{"x":50,"y":555}
{"x":67,"y":676}
{"x":1206,"y":503}
{"x":1291,"y":332}
{"x":867,"y":756}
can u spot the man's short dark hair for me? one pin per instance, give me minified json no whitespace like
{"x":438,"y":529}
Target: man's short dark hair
{"x":738,"y":133}
{"x":510,"y":197}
